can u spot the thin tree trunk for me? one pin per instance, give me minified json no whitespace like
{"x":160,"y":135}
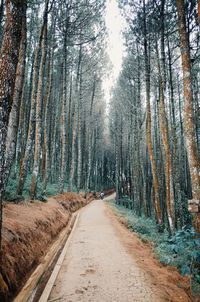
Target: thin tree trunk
{"x":163,"y":121}
{"x":72,"y":167}
{"x":148,"y":127}
{"x":38,"y":128}
{"x":46,"y":149}
{"x":168,"y":165}
{"x":79,"y":119}
{"x":64,"y":111}
{"x":79,"y":164}
{"x":175,"y":158}
{"x":117,"y":169}
{"x":63,"y":129}
{"x":31,"y":128}
{"x":14,"y":114}
{"x":90,"y":134}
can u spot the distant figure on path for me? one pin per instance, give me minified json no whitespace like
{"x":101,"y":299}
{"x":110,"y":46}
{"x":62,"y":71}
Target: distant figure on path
{"x":102,"y":195}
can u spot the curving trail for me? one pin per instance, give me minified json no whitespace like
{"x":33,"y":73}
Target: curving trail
{"x":98,"y":268}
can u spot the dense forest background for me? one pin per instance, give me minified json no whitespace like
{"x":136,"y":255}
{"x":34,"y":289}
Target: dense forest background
{"x":57,"y":132}
{"x":155,"y":115}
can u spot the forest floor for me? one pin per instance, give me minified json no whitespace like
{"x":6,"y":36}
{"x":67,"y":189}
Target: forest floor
{"x":107,"y":262}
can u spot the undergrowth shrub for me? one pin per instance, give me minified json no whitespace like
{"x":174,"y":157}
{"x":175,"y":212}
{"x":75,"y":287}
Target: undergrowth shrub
{"x":11,"y":188}
{"x":181,"y":250}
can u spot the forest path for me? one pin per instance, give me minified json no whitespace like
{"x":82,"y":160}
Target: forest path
{"x":98,"y":267}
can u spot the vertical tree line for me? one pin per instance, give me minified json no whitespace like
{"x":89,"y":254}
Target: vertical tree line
{"x":52,"y":60}
{"x":155,"y":108}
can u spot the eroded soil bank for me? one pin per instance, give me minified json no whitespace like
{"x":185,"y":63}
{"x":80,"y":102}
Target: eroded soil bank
{"x":29,"y":229}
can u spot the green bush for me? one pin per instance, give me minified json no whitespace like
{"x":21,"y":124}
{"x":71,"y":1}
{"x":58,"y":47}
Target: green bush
{"x":52,"y":188}
{"x":181,"y":250}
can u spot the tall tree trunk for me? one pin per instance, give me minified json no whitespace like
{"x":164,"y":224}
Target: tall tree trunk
{"x":189,"y":127}
{"x":69,"y":125}
{"x":117,"y":169}
{"x":64,"y":110}
{"x":14,"y":114}
{"x":79,"y":117}
{"x":148,"y":126}
{"x":8,"y":64}
{"x":79,"y":164}
{"x":47,"y":140}
{"x":31,"y":128}
{"x":76,"y":121}
{"x":164,"y":128}
{"x":38,"y":125}
{"x":175,"y":154}
{"x":55,"y":128}
{"x":63,"y":129}
{"x":168,"y":164}
{"x":24,"y":116}
{"x":74,"y":135}
{"x":90,"y":135}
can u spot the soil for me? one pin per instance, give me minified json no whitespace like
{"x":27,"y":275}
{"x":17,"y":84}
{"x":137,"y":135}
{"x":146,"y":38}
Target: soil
{"x":174,"y":286}
{"x":107,"y":262}
{"x":29,"y":229}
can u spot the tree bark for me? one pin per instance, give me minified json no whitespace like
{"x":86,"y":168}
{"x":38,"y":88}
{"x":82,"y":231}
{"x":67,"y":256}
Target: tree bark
{"x":8,"y":64}
{"x":38,"y":128}
{"x":90,"y":135}
{"x":148,"y":127}
{"x":1,"y":18}
{"x":79,"y":118}
{"x":14,"y":114}
{"x":46,"y":148}
{"x":74,"y":135}
{"x":164,"y":127}
{"x":189,"y":127}
{"x":31,"y":128}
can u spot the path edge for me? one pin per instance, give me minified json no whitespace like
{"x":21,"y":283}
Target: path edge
{"x":48,"y":288}
{"x":27,"y":292}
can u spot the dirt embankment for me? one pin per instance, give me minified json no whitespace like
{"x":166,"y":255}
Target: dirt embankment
{"x":28,"y":231}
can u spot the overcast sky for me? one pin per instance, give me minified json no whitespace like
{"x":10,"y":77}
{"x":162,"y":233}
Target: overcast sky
{"x":115,"y":50}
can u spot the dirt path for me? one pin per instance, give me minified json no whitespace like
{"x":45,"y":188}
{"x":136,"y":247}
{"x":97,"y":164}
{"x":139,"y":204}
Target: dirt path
{"x":98,"y":266}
